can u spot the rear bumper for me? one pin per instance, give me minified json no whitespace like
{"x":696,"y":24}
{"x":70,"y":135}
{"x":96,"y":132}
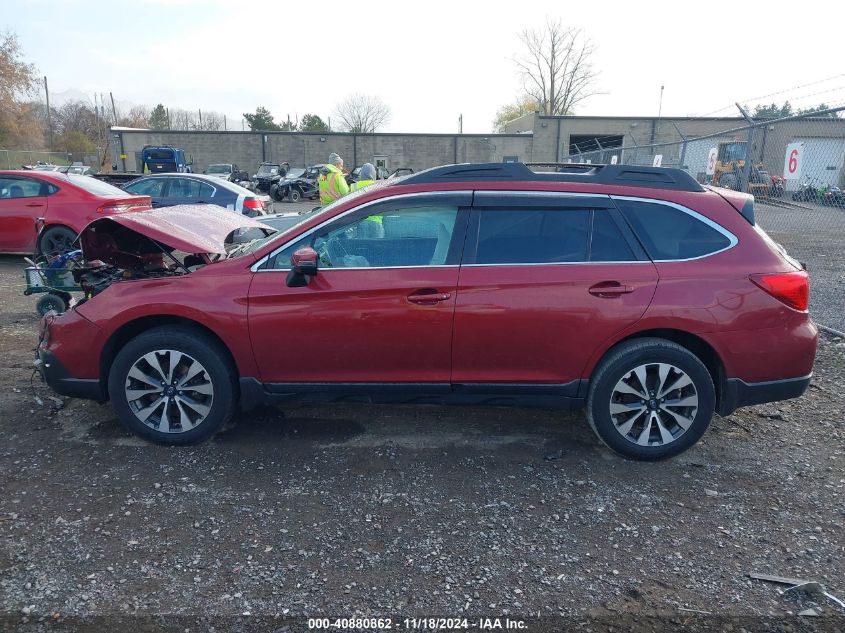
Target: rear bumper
{"x":60,"y":381}
{"x":739,"y":393}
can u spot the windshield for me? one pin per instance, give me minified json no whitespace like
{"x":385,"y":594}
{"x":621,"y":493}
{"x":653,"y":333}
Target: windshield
{"x":268,"y":170}
{"x":295,"y":173}
{"x":731,"y":151}
{"x":219,"y":169}
{"x":159,"y":154}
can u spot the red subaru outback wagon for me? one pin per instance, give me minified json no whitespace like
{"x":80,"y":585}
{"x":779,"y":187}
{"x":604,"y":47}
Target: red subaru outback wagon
{"x":634,"y":292}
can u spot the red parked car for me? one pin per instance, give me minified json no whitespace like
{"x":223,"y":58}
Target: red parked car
{"x":59,"y":205}
{"x":632,"y":291}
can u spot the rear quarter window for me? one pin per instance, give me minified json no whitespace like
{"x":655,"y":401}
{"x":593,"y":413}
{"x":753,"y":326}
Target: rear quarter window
{"x":670,"y":233}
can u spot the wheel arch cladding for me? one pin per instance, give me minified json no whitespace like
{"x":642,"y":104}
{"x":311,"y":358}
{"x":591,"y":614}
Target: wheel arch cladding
{"x":130,"y":330}
{"x":695,"y":344}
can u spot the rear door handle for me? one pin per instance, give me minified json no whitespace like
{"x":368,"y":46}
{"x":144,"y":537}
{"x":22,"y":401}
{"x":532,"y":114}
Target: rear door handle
{"x":36,"y":204}
{"x":609,"y":289}
{"x":428,"y":297}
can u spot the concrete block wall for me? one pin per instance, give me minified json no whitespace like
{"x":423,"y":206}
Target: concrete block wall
{"x":248,"y":149}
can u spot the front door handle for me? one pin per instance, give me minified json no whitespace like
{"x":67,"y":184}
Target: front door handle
{"x":428,"y":297}
{"x":36,"y":204}
{"x":609,"y":289}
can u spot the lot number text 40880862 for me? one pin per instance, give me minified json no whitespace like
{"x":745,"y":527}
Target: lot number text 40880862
{"x":416,"y":624}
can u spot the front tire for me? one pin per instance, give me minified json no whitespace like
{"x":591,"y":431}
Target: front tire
{"x":173,"y":385}
{"x":294,"y":195}
{"x":650,"y":399}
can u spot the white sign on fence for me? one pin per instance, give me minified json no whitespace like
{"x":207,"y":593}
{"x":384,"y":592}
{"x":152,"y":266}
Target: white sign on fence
{"x":793,"y":161}
{"x":711,"y":160}
{"x":614,"y":159}
{"x":658,"y":160}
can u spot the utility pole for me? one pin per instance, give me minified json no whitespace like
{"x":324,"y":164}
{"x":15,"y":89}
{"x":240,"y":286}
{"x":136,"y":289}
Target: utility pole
{"x":660,"y":107}
{"x":113,"y":109}
{"x":460,"y":124}
{"x":49,"y":116}
{"x":200,"y":111}
{"x":224,"y":123}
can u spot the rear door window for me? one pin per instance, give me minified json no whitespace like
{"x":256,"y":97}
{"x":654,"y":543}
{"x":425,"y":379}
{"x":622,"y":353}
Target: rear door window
{"x":147,"y":187}
{"x":670,"y":232}
{"x":189,"y":189}
{"x":607,"y":243}
{"x":532,"y":236}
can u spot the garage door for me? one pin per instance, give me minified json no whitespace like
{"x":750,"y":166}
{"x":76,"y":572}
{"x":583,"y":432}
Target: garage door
{"x":823,"y":158}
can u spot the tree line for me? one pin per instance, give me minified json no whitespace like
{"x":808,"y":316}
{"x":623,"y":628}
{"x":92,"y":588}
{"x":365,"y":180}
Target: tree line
{"x":82,"y":126}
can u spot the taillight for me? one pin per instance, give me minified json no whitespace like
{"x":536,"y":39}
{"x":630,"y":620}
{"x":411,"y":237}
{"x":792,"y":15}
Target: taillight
{"x":252,"y":203}
{"x":793,"y":289}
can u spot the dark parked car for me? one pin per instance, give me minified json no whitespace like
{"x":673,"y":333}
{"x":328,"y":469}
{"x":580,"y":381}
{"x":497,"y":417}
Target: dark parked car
{"x":297,"y":183}
{"x":634,"y":292}
{"x":170,"y":189}
{"x":225,"y":171}
{"x":267,"y":175}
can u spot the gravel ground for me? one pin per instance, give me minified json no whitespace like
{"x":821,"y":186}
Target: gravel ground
{"x":410,"y":511}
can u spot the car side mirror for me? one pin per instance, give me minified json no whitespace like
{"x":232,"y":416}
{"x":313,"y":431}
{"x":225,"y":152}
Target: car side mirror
{"x":303,"y":264}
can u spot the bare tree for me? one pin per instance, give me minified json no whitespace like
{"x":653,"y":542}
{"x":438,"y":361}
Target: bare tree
{"x":556,"y":67}
{"x":362,"y":113}
{"x":137,"y":116}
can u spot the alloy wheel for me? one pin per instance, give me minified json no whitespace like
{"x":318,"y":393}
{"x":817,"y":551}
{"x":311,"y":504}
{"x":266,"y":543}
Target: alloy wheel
{"x":169,"y":391}
{"x":653,"y":404}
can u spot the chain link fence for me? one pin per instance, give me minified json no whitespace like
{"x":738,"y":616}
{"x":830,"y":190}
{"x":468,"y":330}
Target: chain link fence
{"x":794,"y":166}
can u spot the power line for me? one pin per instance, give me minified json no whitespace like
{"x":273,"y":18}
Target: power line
{"x":773,"y":94}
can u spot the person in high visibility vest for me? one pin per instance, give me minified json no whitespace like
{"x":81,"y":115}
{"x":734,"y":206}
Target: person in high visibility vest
{"x":331,"y":181}
{"x":366,"y":176}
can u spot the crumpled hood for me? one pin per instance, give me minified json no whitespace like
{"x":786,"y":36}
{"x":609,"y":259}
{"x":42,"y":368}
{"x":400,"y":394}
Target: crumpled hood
{"x":189,"y":228}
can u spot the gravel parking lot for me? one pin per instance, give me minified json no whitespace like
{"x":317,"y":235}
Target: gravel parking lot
{"x":410,"y":511}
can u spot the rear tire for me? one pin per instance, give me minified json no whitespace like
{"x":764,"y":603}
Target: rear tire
{"x":656,"y":420}
{"x":173,"y":385}
{"x":294,"y":195}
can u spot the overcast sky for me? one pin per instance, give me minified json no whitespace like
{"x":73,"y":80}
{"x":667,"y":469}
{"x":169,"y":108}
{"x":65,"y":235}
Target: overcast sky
{"x":428,"y":60}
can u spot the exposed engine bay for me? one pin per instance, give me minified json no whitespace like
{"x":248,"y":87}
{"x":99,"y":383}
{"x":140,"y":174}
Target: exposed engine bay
{"x":158,"y":243}
{"x":124,"y":254}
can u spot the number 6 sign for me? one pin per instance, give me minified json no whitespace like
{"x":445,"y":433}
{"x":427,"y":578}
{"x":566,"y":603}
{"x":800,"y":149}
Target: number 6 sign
{"x":793,"y":162}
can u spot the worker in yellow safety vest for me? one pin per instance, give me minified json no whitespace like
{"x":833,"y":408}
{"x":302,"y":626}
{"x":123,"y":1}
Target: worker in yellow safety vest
{"x":331,"y":181}
{"x":366,"y":176}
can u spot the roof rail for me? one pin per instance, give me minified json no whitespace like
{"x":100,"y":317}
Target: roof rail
{"x":623,"y":175}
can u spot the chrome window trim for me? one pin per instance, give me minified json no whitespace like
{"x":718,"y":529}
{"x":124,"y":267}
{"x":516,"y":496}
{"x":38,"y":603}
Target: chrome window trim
{"x":701,"y":218}
{"x":621,"y":261}
{"x":256,"y":267}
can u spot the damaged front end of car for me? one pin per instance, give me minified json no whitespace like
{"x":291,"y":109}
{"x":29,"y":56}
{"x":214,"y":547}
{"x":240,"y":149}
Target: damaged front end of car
{"x":160,"y":243}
